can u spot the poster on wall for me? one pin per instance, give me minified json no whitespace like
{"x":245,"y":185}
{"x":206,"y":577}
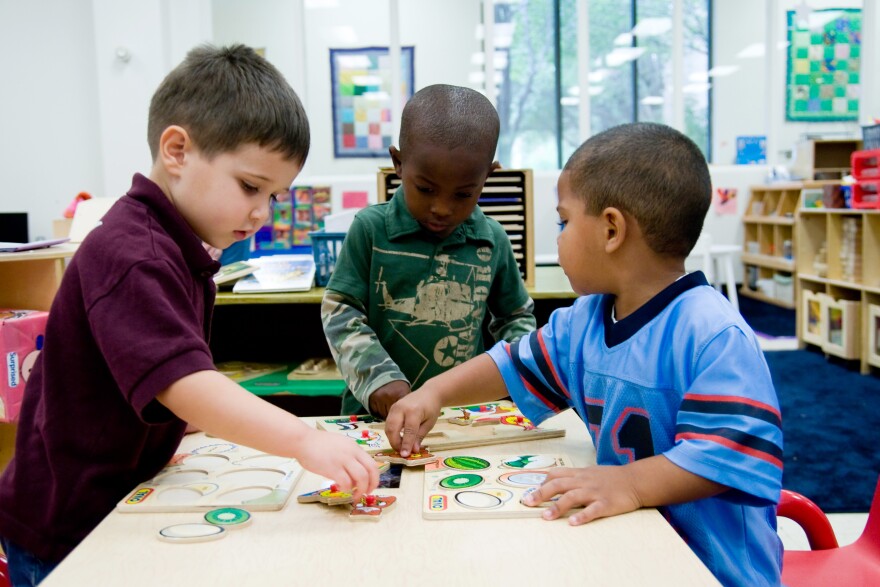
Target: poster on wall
{"x":361,"y":87}
{"x":824,"y":56}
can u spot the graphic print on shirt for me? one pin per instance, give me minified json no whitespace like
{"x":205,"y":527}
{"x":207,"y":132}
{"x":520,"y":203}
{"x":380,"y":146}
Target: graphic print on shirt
{"x":449,"y":303}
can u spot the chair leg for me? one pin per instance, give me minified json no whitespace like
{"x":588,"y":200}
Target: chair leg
{"x":730,"y":281}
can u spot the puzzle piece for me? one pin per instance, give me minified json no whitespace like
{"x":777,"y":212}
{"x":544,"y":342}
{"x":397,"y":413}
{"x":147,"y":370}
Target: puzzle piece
{"x":329,"y":495}
{"x":371,"y":507}
{"x":413,"y":460}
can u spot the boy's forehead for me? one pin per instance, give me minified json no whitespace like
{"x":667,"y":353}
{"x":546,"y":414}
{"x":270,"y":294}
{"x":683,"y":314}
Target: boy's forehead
{"x":438,"y":161}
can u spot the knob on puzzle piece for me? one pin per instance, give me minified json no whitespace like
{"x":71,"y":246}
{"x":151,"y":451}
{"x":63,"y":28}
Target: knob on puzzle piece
{"x":371,"y":507}
{"x":329,"y":495}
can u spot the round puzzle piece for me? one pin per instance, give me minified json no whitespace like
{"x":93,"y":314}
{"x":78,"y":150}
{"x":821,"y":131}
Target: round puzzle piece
{"x":228,"y":517}
{"x":483,"y":500}
{"x":193,"y":532}
{"x":523,"y":479}
{"x":529,"y":462}
{"x":466,"y":463}
{"x":461,"y":481}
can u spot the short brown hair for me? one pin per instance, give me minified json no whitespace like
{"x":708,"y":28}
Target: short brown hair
{"x":226,"y":97}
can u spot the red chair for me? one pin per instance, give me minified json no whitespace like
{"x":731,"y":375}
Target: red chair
{"x":4,"y":572}
{"x":827,"y":563}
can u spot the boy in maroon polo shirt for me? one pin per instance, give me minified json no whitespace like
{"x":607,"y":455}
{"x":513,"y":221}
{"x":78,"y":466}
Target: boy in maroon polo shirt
{"x":126,"y":363}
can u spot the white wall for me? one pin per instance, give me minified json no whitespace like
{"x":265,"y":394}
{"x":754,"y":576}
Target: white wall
{"x":751,"y":101}
{"x":73,"y":116}
{"x":50,"y":148}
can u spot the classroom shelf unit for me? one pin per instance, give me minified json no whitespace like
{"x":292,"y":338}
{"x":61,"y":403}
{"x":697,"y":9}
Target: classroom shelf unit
{"x":768,"y":243}
{"x":838,"y":283}
{"x":824,"y":159}
{"x":29,"y":281}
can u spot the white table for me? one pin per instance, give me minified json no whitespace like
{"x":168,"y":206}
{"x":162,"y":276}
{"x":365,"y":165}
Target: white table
{"x":310,"y":544}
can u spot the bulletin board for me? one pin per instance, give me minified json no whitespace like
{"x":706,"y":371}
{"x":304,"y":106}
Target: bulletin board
{"x":824,"y":59}
{"x":361,"y":87}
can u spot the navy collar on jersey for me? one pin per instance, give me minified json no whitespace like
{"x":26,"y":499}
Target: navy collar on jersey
{"x":622,"y":330}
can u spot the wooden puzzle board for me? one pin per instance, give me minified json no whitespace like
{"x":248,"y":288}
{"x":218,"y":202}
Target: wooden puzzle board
{"x":211,"y":473}
{"x":461,"y":487}
{"x":369,"y":431}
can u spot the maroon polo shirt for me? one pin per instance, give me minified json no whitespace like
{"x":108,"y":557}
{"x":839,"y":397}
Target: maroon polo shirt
{"x":131,"y":317}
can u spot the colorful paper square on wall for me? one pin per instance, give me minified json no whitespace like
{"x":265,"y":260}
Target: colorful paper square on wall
{"x":824,"y":54}
{"x":361,"y":82}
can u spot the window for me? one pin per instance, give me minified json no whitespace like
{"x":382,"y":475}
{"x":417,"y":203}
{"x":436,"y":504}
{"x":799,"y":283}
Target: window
{"x":630,"y":74}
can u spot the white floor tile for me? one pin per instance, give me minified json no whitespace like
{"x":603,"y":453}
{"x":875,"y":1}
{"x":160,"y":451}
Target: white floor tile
{"x":847,"y":528}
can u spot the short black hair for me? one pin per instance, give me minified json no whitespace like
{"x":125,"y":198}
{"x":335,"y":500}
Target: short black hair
{"x":452,"y":116}
{"x":652,"y":172}
{"x":227,"y":97}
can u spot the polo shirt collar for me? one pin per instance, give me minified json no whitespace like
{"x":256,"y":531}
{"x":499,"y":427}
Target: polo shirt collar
{"x":151,"y":195}
{"x":622,"y":330}
{"x":399,"y":222}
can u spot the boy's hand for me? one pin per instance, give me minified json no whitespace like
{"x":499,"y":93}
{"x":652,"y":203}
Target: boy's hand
{"x":604,"y":490}
{"x":383,"y":398}
{"x":341,"y":460}
{"x":410,"y":420}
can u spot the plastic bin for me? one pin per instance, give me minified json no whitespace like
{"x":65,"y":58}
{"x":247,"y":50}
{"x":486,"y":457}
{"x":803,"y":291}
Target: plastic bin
{"x":871,"y":137}
{"x":865,"y":194}
{"x":866,"y":164}
{"x":325,"y":248}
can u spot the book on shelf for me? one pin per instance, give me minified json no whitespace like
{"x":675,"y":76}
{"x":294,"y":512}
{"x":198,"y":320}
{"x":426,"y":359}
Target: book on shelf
{"x":233,"y":271}
{"x":279,"y":273}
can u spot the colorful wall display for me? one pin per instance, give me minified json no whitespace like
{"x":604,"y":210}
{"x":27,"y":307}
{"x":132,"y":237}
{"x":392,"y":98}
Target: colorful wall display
{"x":824,"y":58}
{"x":361,"y":86}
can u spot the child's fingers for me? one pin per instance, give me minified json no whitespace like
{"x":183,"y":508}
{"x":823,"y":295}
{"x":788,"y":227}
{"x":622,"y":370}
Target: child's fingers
{"x":393,"y":426}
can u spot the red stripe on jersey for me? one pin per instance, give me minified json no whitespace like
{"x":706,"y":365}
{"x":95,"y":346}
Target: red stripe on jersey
{"x":733,"y":399}
{"x":550,"y":363}
{"x":529,"y":387}
{"x":746,"y":450}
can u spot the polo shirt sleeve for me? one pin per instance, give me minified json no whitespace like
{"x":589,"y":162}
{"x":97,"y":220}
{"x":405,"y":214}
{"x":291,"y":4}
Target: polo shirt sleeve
{"x":351,"y":273}
{"x":147,"y":328}
{"x":729,"y":427}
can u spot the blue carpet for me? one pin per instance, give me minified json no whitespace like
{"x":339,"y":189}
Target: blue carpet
{"x":767,"y":318}
{"x":831,"y":428}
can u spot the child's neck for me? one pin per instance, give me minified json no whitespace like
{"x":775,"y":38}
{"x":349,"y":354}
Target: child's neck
{"x":640,"y":288}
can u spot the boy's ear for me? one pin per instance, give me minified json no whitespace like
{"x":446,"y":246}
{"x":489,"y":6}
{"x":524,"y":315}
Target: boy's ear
{"x":614,"y":226}
{"x":174,"y":143}
{"x":395,"y":158}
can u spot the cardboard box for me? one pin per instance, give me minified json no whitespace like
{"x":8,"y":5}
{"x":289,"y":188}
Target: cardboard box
{"x":21,"y":340}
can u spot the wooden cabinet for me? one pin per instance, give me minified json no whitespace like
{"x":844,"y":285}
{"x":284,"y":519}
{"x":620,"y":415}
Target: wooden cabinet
{"x":28,"y":281}
{"x":824,"y":159}
{"x":768,"y":243}
{"x":838,"y":283}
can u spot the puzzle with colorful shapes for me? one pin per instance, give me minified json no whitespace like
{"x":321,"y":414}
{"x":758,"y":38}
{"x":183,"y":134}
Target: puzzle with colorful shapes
{"x":468,"y":487}
{"x":210,"y":473}
{"x":415,"y":459}
{"x":457,"y":427}
{"x":369,"y":508}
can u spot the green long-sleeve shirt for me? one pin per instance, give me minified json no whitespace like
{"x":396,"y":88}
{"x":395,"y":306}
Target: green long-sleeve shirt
{"x":404,"y":305}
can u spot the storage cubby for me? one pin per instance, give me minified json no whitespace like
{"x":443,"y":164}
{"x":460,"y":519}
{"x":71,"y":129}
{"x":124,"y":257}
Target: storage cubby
{"x":837,"y":255}
{"x":768,"y":242}
{"x":824,"y":158}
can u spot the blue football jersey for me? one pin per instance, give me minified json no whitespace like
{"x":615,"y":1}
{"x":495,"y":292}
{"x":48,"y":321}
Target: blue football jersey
{"x":682,"y":376}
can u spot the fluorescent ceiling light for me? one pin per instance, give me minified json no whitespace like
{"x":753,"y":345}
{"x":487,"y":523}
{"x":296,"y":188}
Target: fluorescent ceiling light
{"x":596,"y":90}
{"x":652,"y":100}
{"x":651,"y":27}
{"x":623,"y":55}
{"x":597,"y":75}
{"x":569,"y":100}
{"x":623,"y":40}
{"x":753,"y":50}
{"x":723,"y":70}
{"x":699,"y":77}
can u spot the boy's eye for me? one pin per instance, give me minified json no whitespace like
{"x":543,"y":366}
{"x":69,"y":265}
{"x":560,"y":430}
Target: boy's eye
{"x":562,"y":223}
{"x":424,"y":190}
{"x":249,"y":188}
{"x":463,"y":195}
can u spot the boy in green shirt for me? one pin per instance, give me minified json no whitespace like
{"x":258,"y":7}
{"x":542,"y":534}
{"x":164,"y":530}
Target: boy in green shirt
{"x":416,"y":275}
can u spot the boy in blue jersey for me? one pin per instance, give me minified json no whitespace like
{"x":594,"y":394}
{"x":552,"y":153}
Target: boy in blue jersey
{"x":669,"y":379}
